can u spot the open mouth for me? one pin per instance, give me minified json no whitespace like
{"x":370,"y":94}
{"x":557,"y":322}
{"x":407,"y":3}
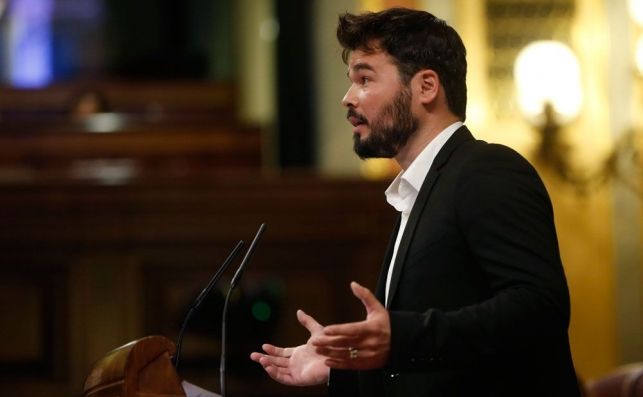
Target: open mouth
{"x":355,"y":119}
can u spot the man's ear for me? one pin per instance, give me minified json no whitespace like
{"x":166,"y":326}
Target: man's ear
{"x":428,"y":83}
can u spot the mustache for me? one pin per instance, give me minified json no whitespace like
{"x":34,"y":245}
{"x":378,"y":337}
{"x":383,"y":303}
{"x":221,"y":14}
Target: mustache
{"x":353,"y":113}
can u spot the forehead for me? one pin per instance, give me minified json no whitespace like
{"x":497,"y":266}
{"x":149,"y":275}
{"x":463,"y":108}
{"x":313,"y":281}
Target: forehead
{"x":377,"y":60}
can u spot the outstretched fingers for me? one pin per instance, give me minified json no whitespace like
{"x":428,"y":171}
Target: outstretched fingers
{"x":276,"y":350}
{"x":358,"y":345}
{"x":365,"y":295}
{"x":275,"y":356}
{"x":300,"y":365}
{"x":308,"y":322}
{"x":275,"y":362}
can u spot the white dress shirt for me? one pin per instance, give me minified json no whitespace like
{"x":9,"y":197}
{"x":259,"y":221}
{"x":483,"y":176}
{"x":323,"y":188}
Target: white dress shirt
{"x":404,"y":189}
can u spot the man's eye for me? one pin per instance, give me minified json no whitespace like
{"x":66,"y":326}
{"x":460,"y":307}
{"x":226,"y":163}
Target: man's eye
{"x":365,"y":79}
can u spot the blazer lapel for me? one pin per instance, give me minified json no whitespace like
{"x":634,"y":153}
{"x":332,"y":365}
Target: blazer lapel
{"x":462,"y":134}
{"x":380,"y":291}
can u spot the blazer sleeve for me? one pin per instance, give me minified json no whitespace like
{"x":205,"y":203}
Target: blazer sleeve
{"x":505,"y":218}
{"x":343,"y":383}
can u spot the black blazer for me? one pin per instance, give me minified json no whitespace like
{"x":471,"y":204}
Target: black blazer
{"x":478,"y":299}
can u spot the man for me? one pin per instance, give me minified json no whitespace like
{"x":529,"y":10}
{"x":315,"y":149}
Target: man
{"x":472,"y":298}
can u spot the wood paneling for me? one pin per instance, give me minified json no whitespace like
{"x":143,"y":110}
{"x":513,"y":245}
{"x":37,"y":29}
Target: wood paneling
{"x":33,"y":303}
{"x":131,"y":258}
{"x":170,"y":149}
{"x":155,"y":97}
{"x":164,"y":129}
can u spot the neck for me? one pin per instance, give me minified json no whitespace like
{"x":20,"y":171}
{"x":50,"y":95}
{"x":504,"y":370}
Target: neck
{"x":418,"y":141}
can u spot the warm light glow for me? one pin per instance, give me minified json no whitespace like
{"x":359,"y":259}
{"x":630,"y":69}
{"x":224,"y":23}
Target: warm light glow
{"x":548,"y":72}
{"x":638,"y":55}
{"x":379,"y":5}
{"x":636,"y":10}
{"x":372,"y":5}
{"x":377,"y":169}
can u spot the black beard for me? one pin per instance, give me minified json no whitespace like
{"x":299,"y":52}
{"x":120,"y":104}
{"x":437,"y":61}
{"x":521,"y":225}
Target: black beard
{"x":389,"y":131}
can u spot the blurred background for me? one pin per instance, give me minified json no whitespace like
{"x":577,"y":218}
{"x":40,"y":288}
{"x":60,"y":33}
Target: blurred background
{"x":140,"y":140}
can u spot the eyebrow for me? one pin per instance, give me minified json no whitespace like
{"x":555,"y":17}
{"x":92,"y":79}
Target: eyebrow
{"x":359,"y":66}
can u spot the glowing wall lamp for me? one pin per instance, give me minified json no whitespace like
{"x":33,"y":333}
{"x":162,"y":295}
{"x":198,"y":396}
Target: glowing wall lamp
{"x":635,"y":8}
{"x":547,"y":73}
{"x":548,"y":83}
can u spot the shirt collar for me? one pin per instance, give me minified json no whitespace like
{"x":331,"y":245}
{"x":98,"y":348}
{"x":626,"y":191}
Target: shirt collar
{"x":408,"y":182}
{"x":419,"y":168}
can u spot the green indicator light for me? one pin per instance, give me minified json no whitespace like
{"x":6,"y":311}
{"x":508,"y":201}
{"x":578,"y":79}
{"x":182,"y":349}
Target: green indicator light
{"x":261,"y":311}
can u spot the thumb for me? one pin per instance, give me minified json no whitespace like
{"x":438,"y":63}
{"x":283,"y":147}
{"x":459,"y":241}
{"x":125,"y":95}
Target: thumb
{"x":369,"y":300}
{"x":308,"y":322}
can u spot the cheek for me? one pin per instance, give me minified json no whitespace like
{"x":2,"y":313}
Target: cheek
{"x":369,"y":103}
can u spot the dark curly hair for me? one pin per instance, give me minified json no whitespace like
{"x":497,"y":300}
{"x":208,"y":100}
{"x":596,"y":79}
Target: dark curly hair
{"x":416,"y":40}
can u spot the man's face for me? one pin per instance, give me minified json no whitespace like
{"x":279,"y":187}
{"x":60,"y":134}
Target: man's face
{"x":379,"y":105}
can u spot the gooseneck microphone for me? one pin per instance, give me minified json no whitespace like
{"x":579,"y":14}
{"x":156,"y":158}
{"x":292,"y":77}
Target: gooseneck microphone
{"x":233,"y":284}
{"x":204,"y":293}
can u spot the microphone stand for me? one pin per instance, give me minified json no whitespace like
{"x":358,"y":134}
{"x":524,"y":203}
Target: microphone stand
{"x":233,"y":284}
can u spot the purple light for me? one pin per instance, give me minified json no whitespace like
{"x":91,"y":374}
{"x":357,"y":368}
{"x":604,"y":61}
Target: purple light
{"x":30,"y":43}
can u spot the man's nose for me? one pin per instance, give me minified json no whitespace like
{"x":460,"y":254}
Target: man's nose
{"x":350,"y":99}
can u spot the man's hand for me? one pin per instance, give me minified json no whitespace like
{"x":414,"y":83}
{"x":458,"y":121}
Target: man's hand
{"x":360,"y":345}
{"x":295,"y":366}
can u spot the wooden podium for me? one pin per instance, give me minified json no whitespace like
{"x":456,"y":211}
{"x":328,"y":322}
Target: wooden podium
{"x":142,"y":368}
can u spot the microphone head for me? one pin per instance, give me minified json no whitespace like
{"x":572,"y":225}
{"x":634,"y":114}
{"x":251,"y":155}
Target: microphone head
{"x":246,"y":258}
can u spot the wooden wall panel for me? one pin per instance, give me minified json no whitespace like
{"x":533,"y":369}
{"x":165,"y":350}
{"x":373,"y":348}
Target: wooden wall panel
{"x":124,"y":261}
{"x":34,"y":309}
